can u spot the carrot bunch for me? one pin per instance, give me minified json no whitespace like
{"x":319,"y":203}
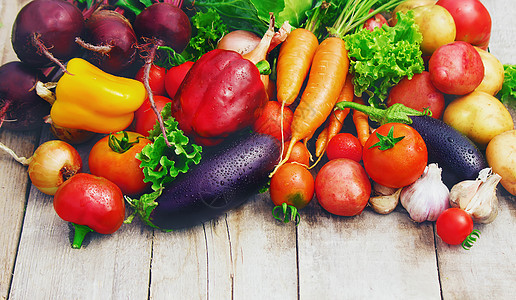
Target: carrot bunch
{"x":327,"y":66}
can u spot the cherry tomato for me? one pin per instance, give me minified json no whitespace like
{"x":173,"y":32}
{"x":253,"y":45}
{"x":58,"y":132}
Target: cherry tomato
{"x":145,"y":118}
{"x":175,"y":76}
{"x":344,"y":145}
{"x":399,"y":165}
{"x":118,"y":162}
{"x":156,"y":79}
{"x":299,"y":153}
{"x":472,"y":20}
{"x":292,"y":184}
{"x":269,"y":121}
{"x":454,"y":225}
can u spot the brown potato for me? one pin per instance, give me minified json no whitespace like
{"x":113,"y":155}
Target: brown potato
{"x":436,"y":25}
{"x":406,"y":6}
{"x":501,"y":157}
{"x":493,"y":73}
{"x":479,"y":116}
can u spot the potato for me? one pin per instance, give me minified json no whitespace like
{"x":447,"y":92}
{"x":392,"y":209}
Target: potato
{"x":406,"y":6}
{"x":456,"y":68}
{"x":501,"y":157}
{"x":436,"y":25}
{"x":479,"y":116}
{"x":493,"y":73}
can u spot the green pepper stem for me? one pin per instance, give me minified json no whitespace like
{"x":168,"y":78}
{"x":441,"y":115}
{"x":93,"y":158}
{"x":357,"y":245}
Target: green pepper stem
{"x":264,"y":67}
{"x":79,"y":234}
{"x":397,"y":113}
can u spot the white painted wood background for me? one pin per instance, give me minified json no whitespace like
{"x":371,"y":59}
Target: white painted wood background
{"x":246,"y":254}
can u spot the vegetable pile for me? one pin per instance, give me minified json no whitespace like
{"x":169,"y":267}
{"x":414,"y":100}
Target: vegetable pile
{"x":199,"y":105}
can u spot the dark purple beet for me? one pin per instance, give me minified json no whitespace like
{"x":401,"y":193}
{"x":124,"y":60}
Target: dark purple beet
{"x":54,"y":23}
{"x":113,"y":32}
{"x":20,"y":107}
{"x":166,"y":23}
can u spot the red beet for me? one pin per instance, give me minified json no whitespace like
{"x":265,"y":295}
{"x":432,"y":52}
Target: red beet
{"x":20,"y":107}
{"x":45,"y":30}
{"x":111,"y":41}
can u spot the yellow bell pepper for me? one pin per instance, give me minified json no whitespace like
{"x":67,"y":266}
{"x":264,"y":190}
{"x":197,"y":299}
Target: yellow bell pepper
{"x":93,"y":100}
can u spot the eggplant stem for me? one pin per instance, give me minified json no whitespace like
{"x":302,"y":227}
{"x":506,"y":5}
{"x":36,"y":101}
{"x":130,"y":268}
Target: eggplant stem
{"x":22,"y":160}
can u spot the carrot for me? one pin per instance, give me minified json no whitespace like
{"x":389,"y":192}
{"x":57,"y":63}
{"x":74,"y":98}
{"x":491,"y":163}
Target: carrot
{"x":328,"y":73}
{"x":361,"y":122}
{"x":335,"y":119}
{"x":294,"y":60}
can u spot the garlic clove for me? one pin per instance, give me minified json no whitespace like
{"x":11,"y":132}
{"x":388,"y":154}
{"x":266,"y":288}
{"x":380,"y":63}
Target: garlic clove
{"x":483,"y":207}
{"x":462,"y":192}
{"x":385,"y":204}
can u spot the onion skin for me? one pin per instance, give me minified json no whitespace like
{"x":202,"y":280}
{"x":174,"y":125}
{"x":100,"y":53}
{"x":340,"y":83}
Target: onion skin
{"x":241,"y":41}
{"x":53,"y":163}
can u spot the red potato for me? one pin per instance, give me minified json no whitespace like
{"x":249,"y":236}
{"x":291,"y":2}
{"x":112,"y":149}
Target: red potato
{"x":456,"y":68}
{"x":269,"y":121}
{"x":342,"y":187}
{"x":418,"y":93}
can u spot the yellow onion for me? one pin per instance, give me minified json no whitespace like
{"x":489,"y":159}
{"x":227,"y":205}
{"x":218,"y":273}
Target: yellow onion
{"x":52,"y":163}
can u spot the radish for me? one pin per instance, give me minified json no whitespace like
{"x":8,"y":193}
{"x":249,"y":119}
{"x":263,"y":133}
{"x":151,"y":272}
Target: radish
{"x":44,"y":32}
{"x":161,"y":24}
{"x":20,"y":107}
{"x":110,"y":40}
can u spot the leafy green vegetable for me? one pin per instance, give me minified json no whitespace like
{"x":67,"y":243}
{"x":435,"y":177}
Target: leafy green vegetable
{"x":161,"y":164}
{"x":143,"y":207}
{"x":379,"y":59}
{"x":253,"y":15}
{"x":507,"y":94}
{"x":323,"y":15}
{"x":209,"y":29}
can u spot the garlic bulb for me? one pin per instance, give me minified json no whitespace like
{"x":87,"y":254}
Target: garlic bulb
{"x":477,"y":197}
{"x":384,"y":199}
{"x":427,"y":197}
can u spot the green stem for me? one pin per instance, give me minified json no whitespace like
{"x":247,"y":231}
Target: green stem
{"x":397,"y":113}
{"x":284,"y":215}
{"x":79,"y":234}
{"x":121,"y":145}
{"x":264,"y":67}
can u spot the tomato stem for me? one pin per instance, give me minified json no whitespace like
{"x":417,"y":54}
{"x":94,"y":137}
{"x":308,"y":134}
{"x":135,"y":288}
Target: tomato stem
{"x":79,"y":235}
{"x":397,"y":113}
{"x":388,"y":141}
{"x":284,"y":216}
{"x":121,"y":145}
{"x":470,"y":239}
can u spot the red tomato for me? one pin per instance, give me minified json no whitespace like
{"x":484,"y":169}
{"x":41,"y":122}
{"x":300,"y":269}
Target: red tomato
{"x":454,"y":225}
{"x":400,"y":165}
{"x":375,"y":21}
{"x":156,"y":79}
{"x":122,"y":168}
{"x":292,"y":184}
{"x":145,"y":118}
{"x":299,"y":153}
{"x":342,"y":187}
{"x":175,"y":76}
{"x":89,"y":200}
{"x":472,"y":20}
{"x":269,"y":121}
{"x":344,"y":145}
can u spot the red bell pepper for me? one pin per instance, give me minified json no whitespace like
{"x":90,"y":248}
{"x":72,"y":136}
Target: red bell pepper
{"x":221,"y":94}
{"x":91,"y":203}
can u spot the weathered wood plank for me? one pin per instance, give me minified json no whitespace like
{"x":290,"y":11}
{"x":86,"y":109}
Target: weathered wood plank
{"x":241,"y":254}
{"x":366,"y":256}
{"x":115,"y":266}
{"x":487,"y":271}
{"x":14,"y":182}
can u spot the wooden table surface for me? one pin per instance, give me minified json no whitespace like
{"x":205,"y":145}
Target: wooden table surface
{"x":245,"y":254}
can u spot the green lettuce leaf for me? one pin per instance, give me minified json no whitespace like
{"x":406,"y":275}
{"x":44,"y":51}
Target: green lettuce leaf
{"x":161,"y":164}
{"x":381,"y":58}
{"x":507,"y":94}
